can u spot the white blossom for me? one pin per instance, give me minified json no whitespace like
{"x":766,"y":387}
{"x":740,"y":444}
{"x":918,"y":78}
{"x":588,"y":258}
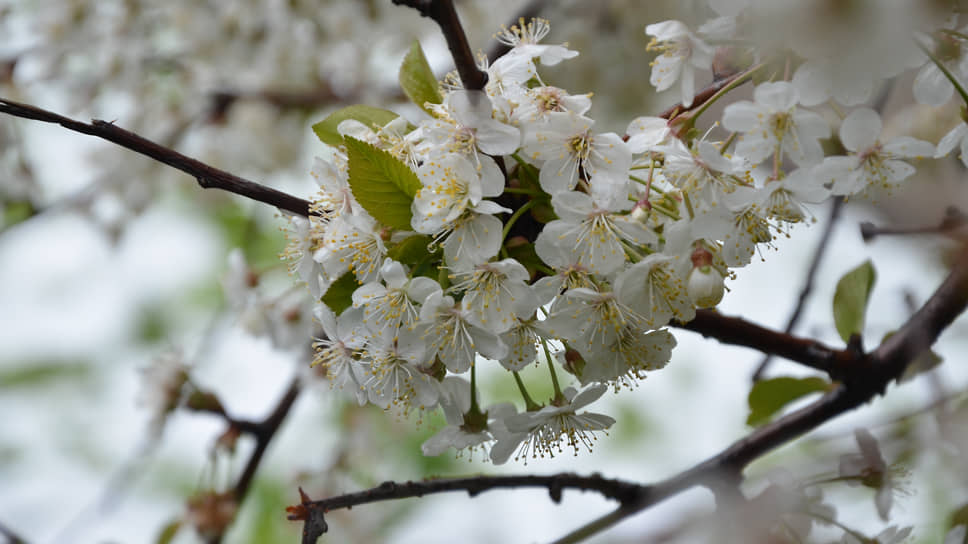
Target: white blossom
{"x":681,"y":53}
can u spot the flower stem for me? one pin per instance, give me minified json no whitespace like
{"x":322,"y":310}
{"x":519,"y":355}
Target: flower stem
{"x":551,"y":368}
{"x":529,"y":404}
{"x":514,"y":218}
{"x":722,"y":92}
{"x":947,"y":73}
{"x":474,"y":407}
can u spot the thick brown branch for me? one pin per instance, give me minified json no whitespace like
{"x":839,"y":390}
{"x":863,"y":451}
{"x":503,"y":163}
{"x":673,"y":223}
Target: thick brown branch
{"x":739,"y":332}
{"x":312,"y":512}
{"x":207,"y":176}
{"x":444,"y":14}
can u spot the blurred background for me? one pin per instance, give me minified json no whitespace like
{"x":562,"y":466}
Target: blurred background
{"x":112,"y":265}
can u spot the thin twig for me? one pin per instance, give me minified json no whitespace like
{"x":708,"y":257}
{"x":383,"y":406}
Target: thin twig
{"x":207,"y":176}
{"x":444,"y":14}
{"x":12,"y":537}
{"x":263,"y":432}
{"x":953,"y":224}
{"x":312,"y":512}
{"x":818,"y":253}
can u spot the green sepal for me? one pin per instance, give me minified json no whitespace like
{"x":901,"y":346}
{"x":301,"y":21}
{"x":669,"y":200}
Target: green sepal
{"x":339,"y":296}
{"x":374,"y":118}
{"x":384,"y":186}
{"x":770,"y":396}
{"x":850,"y":299}
{"x":417,"y":79}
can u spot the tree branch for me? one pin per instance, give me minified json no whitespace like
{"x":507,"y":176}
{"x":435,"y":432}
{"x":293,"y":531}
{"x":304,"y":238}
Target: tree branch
{"x":207,"y":176}
{"x":12,"y":537}
{"x":863,"y":377}
{"x":263,"y":432}
{"x":953,"y":224}
{"x":818,"y":253}
{"x":312,"y":512}
{"x":444,"y":14}
{"x":739,"y":332}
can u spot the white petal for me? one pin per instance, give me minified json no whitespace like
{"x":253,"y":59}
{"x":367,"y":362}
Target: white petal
{"x":860,"y":129}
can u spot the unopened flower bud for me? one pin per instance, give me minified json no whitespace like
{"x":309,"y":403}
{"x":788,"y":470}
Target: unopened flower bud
{"x":640,"y":214}
{"x":705,"y":286}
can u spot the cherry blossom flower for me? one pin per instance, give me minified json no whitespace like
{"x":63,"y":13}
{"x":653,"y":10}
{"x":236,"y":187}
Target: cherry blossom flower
{"x":681,"y":53}
{"x":497,"y":292}
{"x":871,"y":161}
{"x":450,"y":333}
{"x":957,"y":136}
{"x":524,"y":37}
{"x":655,"y":288}
{"x":931,"y":85}
{"x":398,"y":375}
{"x":352,"y":244}
{"x":337,"y":352}
{"x":539,"y":434}
{"x":594,"y":234}
{"x":869,"y":469}
{"x":566,"y":147}
{"x":772,"y":124}
{"x":387,"y":308}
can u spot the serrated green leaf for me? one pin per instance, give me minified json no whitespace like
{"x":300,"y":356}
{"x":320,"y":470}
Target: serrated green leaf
{"x":412,"y":250}
{"x":850,"y":299}
{"x":339,"y":296}
{"x":374,"y":118}
{"x":384,"y":186}
{"x":417,"y":79}
{"x":769,"y":396}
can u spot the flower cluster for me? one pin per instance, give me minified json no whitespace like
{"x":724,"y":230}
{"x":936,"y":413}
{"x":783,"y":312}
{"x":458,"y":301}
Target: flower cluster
{"x":506,"y":228}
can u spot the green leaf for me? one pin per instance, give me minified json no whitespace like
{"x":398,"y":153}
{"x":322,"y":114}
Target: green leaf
{"x":339,"y":296}
{"x":850,"y":299}
{"x":374,"y":118}
{"x":769,"y":396}
{"x":417,"y":80}
{"x":384,"y":186}
{"x":412,"y":250}
{"x":168,"y":532}
{"x":41,"y":373}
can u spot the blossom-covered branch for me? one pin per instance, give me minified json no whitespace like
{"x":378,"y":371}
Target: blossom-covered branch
{"x":868,"y":377}
{"x":207,"y":176}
